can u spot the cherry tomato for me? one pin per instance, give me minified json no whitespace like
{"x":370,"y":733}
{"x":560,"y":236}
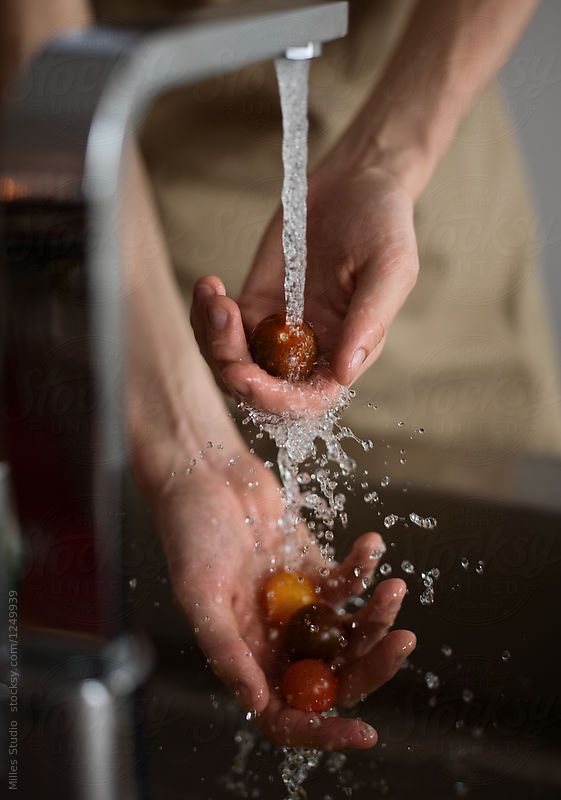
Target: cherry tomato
{"x":285,"y":351}
{"x":316,"y":631}
{"x":285,"y":593}
{"x":309,"y":685}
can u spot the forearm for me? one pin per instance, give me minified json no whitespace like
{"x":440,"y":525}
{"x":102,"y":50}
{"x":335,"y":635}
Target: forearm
{"x":173,"y":406}
{"x":448,"y":52}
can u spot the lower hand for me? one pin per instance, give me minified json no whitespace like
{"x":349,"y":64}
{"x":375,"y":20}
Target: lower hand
{"x":221,"y":536}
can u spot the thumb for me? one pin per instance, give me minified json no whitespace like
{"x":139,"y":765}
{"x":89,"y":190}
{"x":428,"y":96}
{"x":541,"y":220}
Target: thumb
{"x":381,"y":290}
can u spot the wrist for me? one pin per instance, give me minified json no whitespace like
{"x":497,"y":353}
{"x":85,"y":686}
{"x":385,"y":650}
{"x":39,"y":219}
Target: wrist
{"x":396,"y":148}
{"x":172,"y":430}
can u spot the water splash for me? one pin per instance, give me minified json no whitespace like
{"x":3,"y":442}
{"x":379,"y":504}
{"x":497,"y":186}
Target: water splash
{"x":295,"y":767}
{"x":292,"y":79}
{"x":235,"y":781}
{"x":428,"y":523}
{"x":429,"y":577}
{"x":317,"y":439}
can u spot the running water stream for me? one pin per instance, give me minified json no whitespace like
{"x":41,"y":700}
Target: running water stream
{"x":292,"y":79}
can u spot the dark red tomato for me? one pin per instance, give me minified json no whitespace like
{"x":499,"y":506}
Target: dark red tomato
{"x":315,"y":631}
{"x":285,"y":351}
{"x":309,"y":685}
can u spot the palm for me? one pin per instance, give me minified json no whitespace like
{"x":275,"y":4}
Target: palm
{"x":222,"y":539}
{"x":362,"y":263}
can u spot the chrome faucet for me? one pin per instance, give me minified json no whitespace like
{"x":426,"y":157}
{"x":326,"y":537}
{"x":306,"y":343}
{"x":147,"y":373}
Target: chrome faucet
{"x":62,"y":162}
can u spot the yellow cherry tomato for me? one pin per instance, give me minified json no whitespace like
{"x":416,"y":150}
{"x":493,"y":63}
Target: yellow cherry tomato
{"x":285,"y":593}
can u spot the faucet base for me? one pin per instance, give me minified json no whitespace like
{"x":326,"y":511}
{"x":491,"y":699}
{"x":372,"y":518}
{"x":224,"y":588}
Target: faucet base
{"x":79,"y":703}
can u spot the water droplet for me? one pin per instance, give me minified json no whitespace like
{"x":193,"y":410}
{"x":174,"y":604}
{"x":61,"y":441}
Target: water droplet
{"x":391,"y":520}
{"x":132,"y":583}
{"x":465,"y":563}
{"x":407,"y":567}
{"x":480,"y":567}
{"x":385,"y":481}
{"x":385,"y":569}
{"x":505,"y":655}
{"x":446,"y":650}
{"x":428,"y":523}
{"x":460,"y":789}
{"x":467,"y":695}
{"x":432,"y":681}
{"x":426,"y":597}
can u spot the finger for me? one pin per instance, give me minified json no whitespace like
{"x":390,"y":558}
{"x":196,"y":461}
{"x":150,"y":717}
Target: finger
{"x":261,"y":390}
{"x":371,"y":623}
{"x":360,"y":678}
{"x":226,"y":339}
{"x":353,"y":575}
{"x":230,"y":657}
{"x":204,"y":289}
{"x":383,"y":287}
{"x":292,"y":728}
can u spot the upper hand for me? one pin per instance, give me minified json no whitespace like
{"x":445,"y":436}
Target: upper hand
{"x":222,"y":540}
{"x":362,"y":264}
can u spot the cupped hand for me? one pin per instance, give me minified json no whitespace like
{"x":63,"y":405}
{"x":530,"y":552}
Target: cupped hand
{"x":222,"y":538}
{"x":362,"y":264}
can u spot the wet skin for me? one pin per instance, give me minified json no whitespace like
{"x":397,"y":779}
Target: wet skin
{"x":219,"y":564}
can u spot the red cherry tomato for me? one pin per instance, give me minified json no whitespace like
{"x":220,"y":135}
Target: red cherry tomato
{"x":309,"y":685}
{"x":286,"y":592}
{"x":285,"y":351}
